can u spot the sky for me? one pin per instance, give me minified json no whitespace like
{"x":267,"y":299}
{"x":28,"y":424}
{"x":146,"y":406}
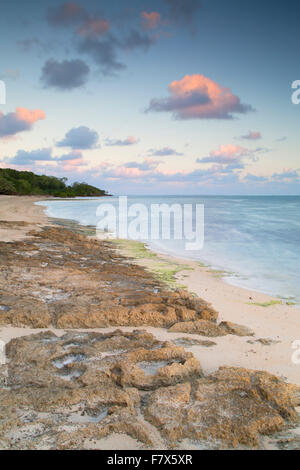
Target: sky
{"x":153,"y":97}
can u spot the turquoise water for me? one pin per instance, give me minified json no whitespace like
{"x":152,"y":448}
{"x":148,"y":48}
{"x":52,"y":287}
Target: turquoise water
{"x":255,"y":239}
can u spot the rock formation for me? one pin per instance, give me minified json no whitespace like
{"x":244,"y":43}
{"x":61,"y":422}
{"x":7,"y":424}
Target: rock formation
{"x":64,"y":393}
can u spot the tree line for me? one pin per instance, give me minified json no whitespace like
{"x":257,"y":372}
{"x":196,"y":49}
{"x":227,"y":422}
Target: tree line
{"x":25,"y":183}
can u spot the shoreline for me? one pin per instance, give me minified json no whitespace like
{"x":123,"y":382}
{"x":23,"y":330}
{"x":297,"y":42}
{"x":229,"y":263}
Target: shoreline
{"x":222,"y":272}
{"x":277,"y":322}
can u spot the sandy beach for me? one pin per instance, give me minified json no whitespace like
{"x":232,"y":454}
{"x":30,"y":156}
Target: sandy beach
{"x":275,"y":325}
{"x":20,"y":209}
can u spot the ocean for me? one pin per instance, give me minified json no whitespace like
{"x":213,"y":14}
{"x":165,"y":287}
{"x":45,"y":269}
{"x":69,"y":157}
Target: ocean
{"x":253,"y":240}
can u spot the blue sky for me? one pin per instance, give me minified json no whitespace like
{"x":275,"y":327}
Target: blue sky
{"x":160,"y":97}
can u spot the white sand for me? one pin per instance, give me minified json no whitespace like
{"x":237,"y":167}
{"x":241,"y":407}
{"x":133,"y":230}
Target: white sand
{"x":20,"y":209}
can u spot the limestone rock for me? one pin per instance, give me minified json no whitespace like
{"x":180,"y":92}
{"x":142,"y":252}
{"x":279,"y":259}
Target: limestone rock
{"x":233,"y":405}
{"x":63,"y":279}
{"x":199,"y":327}
{"x":235,"y":329}
{"x":61,"y":392}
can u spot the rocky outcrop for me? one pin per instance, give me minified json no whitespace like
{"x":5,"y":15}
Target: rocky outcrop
{"x":63,"y":393}
{"x":62,"y":279}
{"x":233,"y":405}
{"x":199,"y":327}
{"x":208,"y":328}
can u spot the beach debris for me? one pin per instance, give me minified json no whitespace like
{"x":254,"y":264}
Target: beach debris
{"x":264,"y":341}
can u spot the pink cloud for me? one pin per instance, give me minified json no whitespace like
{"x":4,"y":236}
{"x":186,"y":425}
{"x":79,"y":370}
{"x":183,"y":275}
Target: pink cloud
{"x":93,"y":27}
{"x":21,"y":120}
{"x":230,"y":157}
{"x":131,"y":140}
{"x":72,"y":14}
{"x":76,"y":164}
{"x":199,"y":97}
{"x":252,"y":135}
{"x":66,"y":14}
{"x":227,"y":154}
{"x":30,"y":117}
{"x":150,"y":20}
{"x":124,"y":172}
{"x":131,"y":170}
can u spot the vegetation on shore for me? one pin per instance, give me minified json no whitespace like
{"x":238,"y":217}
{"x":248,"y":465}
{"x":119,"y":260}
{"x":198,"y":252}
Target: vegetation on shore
{"x":164,"y":269}
{"x":26,"y":183}
{"x":266,"y":304}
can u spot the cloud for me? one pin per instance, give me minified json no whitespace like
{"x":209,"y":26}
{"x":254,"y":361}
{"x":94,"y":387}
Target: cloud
{"x":93,"y":27}
{"x":150,"y":20}
{"x":281,"y":139}
{"x":130,"y":170}
{"x":183,"y":10}
{"x":252,"y":135}
{"x":80,"y":138}
{"x":121,"y":143}
{"x":71,"y":15}
{"x":67,"y":14}
{"x":226,"y":154}
{"x":231,"y":157}
{"x":44,"y":47}
{"x":255,"y":179}
{"x":199,"y":97}
{"x":286,"y":175}
{"x":69,"y":156}
{"x":164,"y":152}
{"x":136,"y":40}
{"x":261,"y":150}
{"x":65,"y":75}
{"x":25,"y":158}
{"x":103,"y":52}
{"x":21,"y":120}
{"x":89,"y":30}
{"x":72,"y":162}
{"x":145,"y":173}
{"x":146,"y":165}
